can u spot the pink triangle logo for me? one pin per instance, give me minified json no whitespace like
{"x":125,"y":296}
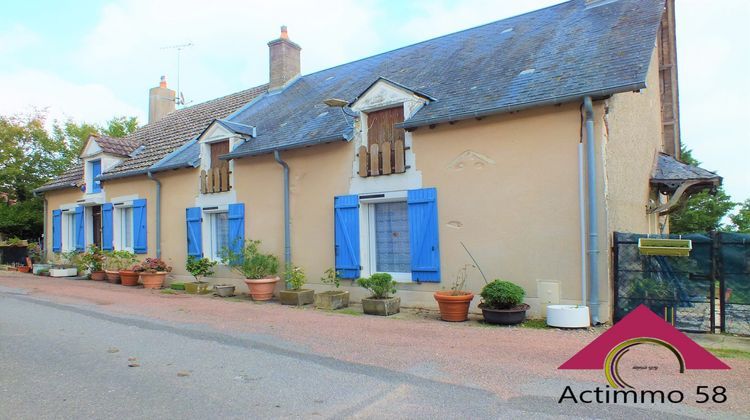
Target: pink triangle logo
{"x":641,"y":326}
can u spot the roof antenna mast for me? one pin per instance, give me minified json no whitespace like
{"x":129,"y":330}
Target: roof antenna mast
{"x":180,"y":100}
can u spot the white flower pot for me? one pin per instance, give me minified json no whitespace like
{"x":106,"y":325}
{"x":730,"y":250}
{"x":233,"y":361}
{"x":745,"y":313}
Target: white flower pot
{"x":568,"y":316}
{"x":63,"y":272}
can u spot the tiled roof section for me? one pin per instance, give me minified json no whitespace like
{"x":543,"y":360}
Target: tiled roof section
{"x":175,"y":129}
{"x":68,"y":179}
{"x":553,"y":55}
{"x":117,"y":146}
{"x":669,"y":169}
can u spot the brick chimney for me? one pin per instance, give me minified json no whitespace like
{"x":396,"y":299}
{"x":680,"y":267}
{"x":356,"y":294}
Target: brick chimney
{"x":284,"y":63}
{"x":161,"y":101}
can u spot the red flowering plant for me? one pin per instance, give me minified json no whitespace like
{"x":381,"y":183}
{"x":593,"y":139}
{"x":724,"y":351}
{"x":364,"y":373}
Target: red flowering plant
{"x":152,"y":265}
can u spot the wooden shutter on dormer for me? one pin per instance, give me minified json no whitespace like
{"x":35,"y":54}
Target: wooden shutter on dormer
{"x":218,"y":149}
{"x":381,"y":126}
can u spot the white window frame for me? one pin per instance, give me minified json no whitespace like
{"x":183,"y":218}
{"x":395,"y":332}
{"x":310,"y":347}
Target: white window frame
{"x":68,"y":234}
{"x":367,"y":232}
{"x":210,"y":247}
{"x":118,"y":227}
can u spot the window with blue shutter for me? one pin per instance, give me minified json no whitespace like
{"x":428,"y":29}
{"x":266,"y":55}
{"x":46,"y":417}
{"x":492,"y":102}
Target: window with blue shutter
{"x":80,"y":229}
{"x":140,"y":221}
{"x":423,"y":233}
{"x":193,"y":217}
{"x":346,"y":242}
{"x":236,"y":227}
{"x":107,"y":228}
{"x":96,"y":170}
{"x":56,"y":230}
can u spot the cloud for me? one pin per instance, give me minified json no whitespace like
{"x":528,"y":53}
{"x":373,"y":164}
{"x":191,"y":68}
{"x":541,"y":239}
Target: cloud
{"x":15,"y":39}
{"x":27,"y":90}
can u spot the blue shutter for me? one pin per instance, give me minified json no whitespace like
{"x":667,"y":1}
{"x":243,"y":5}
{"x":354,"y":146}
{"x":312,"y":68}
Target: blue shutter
{"x":346,"y":215}
{"x":193,"y":217}
{"x":107,"y":210}
{"x":236,"y":227}
{"x":423,"y":233}
{"x":56,"y":230}
{"x":80,"y":229}
{"x":96,"y":170}
{"x":140,"y":234}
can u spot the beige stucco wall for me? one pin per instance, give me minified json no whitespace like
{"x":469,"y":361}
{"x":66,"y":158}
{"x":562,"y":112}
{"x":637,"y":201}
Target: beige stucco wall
{"x":143,"y":188}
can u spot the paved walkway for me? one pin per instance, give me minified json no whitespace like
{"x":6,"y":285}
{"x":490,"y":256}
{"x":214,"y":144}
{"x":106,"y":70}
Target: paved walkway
{"x":513,"y":369}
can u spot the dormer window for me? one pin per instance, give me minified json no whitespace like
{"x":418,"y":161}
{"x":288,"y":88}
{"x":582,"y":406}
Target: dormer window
{"x":384,"y":154}
{"x":95,"y":169}
{"x":215,"y":178}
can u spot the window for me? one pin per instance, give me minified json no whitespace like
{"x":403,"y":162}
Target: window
{"x":391,"y":238}
{"x":125,"y":228}
{"x":381,"y":126}
{"x":219,"y":234}
{"x":96,"y":170}
{"x":69,"y":231}
{"x":218,"y":149}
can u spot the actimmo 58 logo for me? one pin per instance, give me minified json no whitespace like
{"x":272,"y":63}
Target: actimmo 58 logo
{"x":640,"y":327}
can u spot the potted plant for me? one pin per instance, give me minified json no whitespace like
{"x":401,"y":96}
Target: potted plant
{"x":454,"y":303}
{"x":128,"y":276}
{"x":66,"y":265}
{"x":502,"y":303}
{"x":332,"y":299}
{"x":381,"y":285}
{"x":258,"y":269}
{"x":198,"y":267}
{"x":295,"y":294}
{"x":153,"y":271}
{"x":112,"y":266}
{"x":93,"y":260}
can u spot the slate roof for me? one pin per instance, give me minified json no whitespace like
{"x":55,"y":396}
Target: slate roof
{"x":668,"y":170}
{"x":68,"y":179}
{"x":553,"y":55}
{"x":117,"y":146}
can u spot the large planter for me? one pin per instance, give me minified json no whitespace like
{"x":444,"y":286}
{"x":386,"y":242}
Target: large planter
{"x":98,"y":275}
{"x":196,"y":288}
{"x":153,"y":280}
{"x":262,"y":289}
{"x":297,"y":297}
{"x":453,"y":307}
{"x":382,"y":307}
{"x":63,"y":272}
{"x":129,"y":277}
{"x":511,"y":316}
{"x":37,"y":268}
{"x":224,"y":290}
{"x":332,"y":300}
{"x":113,"y":276}
{"x":568,"y":316}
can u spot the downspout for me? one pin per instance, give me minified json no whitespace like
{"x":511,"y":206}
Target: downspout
{"x":582,"y":210}
{"x":158,"y":213}
{"x":287,"y":227}
{"x":593,"y":249}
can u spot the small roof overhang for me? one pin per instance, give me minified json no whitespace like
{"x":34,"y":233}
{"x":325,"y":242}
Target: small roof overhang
{"x":679,"y":180}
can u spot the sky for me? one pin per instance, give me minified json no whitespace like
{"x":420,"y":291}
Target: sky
{"x":91,"y":60}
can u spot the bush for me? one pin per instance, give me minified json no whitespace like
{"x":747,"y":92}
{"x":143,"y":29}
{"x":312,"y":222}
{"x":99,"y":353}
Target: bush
{"x":200,"y":267}
{"x":152,"y":265}
{"x":251,"y":263}
{"x":331,"y":277}
{"x":119,"y":260}
{"x":500,"y":294}
{"x":295,"y":278}
{"x":93,"y":258}
{"x":381,"y":285}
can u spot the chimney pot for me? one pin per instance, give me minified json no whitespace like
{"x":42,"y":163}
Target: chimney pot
{"x":163,"y":82}
{"x":161,"y":101}
{"x":284,"y":60}
{"x":284,"y":34}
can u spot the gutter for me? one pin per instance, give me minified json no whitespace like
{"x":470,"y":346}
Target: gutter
{"x":521,"y":106}
{"x":328,"y":139}
{"x":126,"y":174}
{"x":287,"y":221}
{"x":158,"y":214}
{"x":593,"y":225}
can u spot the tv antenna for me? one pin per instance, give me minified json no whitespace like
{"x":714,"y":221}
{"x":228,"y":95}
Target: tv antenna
{"x":180,"y":99}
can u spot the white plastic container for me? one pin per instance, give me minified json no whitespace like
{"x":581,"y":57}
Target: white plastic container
{"x":568,"y":316}
{"x":63,"y":272}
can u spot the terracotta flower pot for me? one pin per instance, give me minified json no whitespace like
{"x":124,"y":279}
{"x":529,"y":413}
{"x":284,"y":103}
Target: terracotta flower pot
{"x":129,"y":278}
{"x":112,"y":276}
{"x":24,"y":269}
{"x":453,"y":307}
{"x":97,"y":275}
{"x":262,"y":289}
{"x":153,"y":280}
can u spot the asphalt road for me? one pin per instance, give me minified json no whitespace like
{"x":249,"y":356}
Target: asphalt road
{"x":62,"y":360}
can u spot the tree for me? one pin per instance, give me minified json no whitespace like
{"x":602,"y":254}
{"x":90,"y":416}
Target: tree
{"x":120,"y":126}
{"x":702,"y":212}
{"x":741,"y":219}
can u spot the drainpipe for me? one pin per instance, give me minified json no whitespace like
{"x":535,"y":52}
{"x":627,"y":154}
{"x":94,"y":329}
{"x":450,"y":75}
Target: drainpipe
{"x":593,"y":250}
{"x":158,"y":213}
{"x":287,"y":227}
{"x":582,"y":210}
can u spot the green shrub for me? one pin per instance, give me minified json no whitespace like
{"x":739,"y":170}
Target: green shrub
{"x":381,"y":285}
{"x":92,"y":259}
{"x":200,"y":267}
{"x":251,"y":263}
{"x":331,"y":277}
{"x":500,"y":294}
{"x":295,"y":278}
